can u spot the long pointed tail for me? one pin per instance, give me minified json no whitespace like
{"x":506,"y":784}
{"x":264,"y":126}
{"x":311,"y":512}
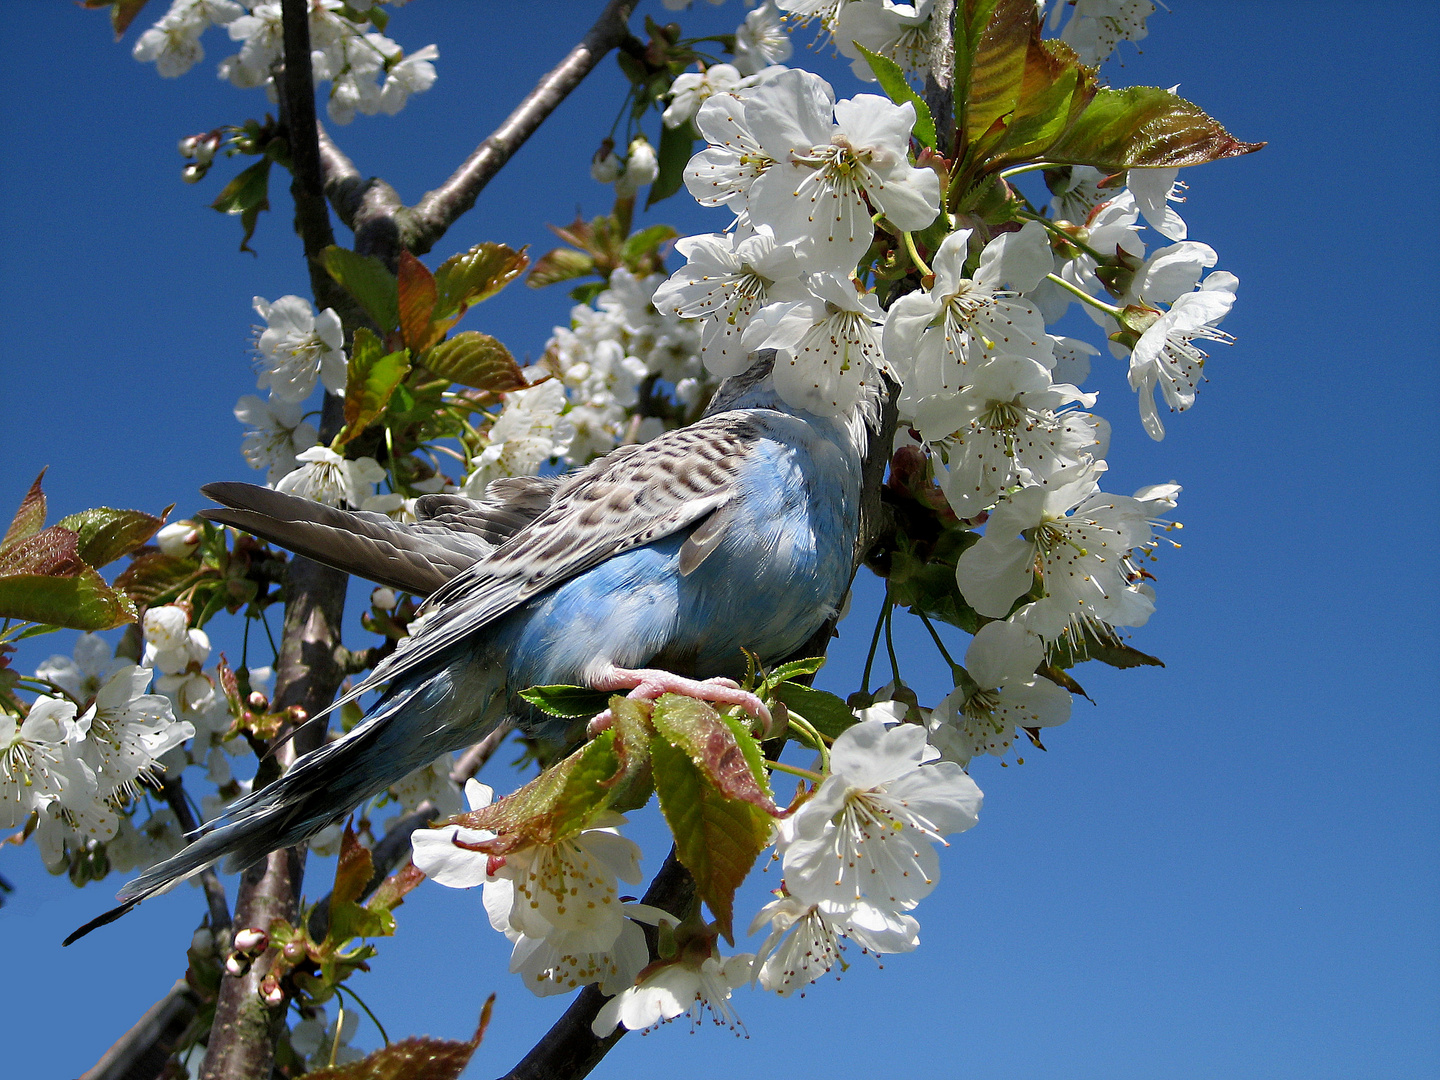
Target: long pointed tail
{"x":442,"y":709}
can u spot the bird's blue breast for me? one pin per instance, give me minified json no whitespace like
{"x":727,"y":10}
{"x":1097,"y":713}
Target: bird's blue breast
{"x":780,"y":569}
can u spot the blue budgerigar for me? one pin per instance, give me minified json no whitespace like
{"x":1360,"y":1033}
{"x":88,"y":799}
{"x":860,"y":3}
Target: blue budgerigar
{"x":648,"y":570}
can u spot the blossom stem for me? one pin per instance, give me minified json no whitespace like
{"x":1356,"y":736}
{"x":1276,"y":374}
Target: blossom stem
{"x":1034,"y":166}
{"x":780,"y":766}
{"x":874,"y":646}
{"x":915,"y":257}
{"x":1081,"y":294}
{"x":936,"y":638}
{"x":816,"y":739}
{"x":361,"y":1002}
{"x":890,"y":643}
{"x":1068,"y":237}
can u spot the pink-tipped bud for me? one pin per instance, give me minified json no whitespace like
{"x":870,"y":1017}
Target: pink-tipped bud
{"x":294,"y":951}
{"x":236,"y":965}
{"x":271,"y":994}
{"x":258,"y":701}
{"x":251,"y":940}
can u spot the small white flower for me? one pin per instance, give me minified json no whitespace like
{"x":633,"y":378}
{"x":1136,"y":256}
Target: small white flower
{"x":298,"y":346}
{"x":126,"y":730}
{"x":1154,"y":191}
{"x":1007,"y":695}
{"x":690,"y":90}
{"x":92,"y":665}
{"x":866,"y":834}
{"x":828,"y":345}
{"x":761,"y":40}
{"x":641,"y":167}
{"x":430,"y":782}
{"x":38,"y":764}
{"x":1097,"y":26}
{"x":278,"y":434}
{"x":529,"y":432}
{"x":329,"y":478}
{"x":901,"y":32}
{"x":696,"y":977}
{"x":1166,"y":356}
{"x":412,"y":75}
{"x":807,"y":940}
{"x":178,"y":539}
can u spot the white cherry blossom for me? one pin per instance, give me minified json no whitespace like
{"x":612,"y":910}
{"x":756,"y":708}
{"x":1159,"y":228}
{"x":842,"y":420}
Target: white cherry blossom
{"x":828,"y":344}
{"x":866,"y":834}
{"x":278,"y":433}
{"x":691,"y":88}
{"x":1077,"y":538}
{"x":935,"y":337}
{"x":1166,"y":356}
{"x":901,"y":32}
{"x":1097,"y":26}
{"x":529,"y":432}
{"x":297,"y":347}
{"x":328,"y":478}
{"x":695,"y":978}
{"x":829,"y":160}
{"x":761,"y":40}
{"x":1007,"y":694}
{"x":807,"y":940}
{"x":38,"y":764}
{"x":126,"y":730}
{"x":725,"y":280}
{"x":1154,"y":191}
{"x":83,"y":674}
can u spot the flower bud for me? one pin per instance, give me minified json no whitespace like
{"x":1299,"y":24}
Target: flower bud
{"x":193,"y":173}
{"x":206,"y":147}
{"x":251,"y":940}
{"x":165,"y":627}
{"x":383,"y":599}
{"x":294,"y":951}
{"x":605,"y":166}
{"x":641,"y":167}
{"x":236,"y":965}
{"x":271,"y":994}
{"x":189,"y":145}
{"x":178,"y":539}
{"x":258,"y":701}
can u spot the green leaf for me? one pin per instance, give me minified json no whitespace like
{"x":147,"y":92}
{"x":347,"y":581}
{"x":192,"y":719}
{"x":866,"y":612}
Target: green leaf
{"x":991,"y":42}
{"x":411,"y":1059}
{"x":106,"y":534}
{"x":716,"y":838}
{"x":673,"y":154}
{"x":466,"y":279}
{"x":562,"y":264}
{"x":247,"y":194}
{"x":716,"y":747}
{"x":558,"y":803}
{"x":1144,"y":127}
{"x":567,"y":701}
{"x":366,"y":279}
{"x":794,"y":670}
{"x":418,"y":294}
{"x":892,"y":81}
{"x":922,"y":578}
{"x":826,"y":712}
{"x":80,"y":602}
{"x":643,"y":243}
{"x":371,"y":378}
{"x":585,"y":294}
{"x":1055,"y":90}
{"x":475,"y":359}
{"x":155,"y":574}
{"x":353,"y":870}
{"x":392,"y":891}
{"x":349,"y":920}
{"x":30,"y":517}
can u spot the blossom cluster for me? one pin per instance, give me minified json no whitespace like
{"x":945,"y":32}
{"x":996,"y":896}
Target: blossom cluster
{"x":367,"y":72}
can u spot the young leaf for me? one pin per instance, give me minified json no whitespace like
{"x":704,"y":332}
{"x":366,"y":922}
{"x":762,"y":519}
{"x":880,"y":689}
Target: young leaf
{"x":794,"y":670}
{"x":991,"y":41}
{"x":717,"y":838}
{"x":81,"y":602}
{"x":1055,"y":90}
{"x":371,"y":379}
{"x":892,"y":81}
{"x":365,"y":278}
{"x":475,"y":359}
{"x":567,"y":701}
{"x":393,"y":890}
{"x":30,"y":517}
{"x":673,"y":154}
{"x":1144,"y":127}
{"x":353,"y":870}
{"x":154,"y":574}
{"x":643,"y":243}
{"x":247,"y":194}
{"x":716,"y":748}
{"x":826,"y":712}
{"x":562,"y":264}
{"x":411,"y":1059}
{"x":105,"y":534}
{"x":54,"y":552}
{"x":466,"y":279}
{"x":122,"y":12}
{"x":418,"y":293}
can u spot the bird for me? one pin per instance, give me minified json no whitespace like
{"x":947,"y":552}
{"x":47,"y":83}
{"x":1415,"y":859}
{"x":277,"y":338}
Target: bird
{"x":649,"y":570}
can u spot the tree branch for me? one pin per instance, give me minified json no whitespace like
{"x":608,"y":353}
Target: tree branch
{"x":141,"y":1053}
{"x":242,"y":1038}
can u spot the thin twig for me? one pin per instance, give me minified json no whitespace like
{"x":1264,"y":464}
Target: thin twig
{"x":437,"y":210}
{"x":174,"y":791}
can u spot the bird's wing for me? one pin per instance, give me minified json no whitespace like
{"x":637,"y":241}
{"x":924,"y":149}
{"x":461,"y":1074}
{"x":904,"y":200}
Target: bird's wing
{"x":419,"y":557}
{"x":621,"y":502}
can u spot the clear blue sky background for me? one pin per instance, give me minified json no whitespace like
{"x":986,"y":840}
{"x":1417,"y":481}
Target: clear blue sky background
{"x":1227,"y":867}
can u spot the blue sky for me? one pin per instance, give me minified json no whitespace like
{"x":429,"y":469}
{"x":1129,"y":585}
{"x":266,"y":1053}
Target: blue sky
{"x":1225,"y":867}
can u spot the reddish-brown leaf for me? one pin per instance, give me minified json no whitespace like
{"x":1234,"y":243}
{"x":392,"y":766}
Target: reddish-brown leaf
{"x":30,"y":518}
{"x":417,"y":303}
{"x":413,"y":1058}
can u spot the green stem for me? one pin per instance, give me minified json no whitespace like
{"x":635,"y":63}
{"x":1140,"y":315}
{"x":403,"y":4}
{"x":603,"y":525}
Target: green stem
{"x":874,"y":646}
{"x":936,"y":637}
{"x":890,"y":644}
{"x":915,"y":256}
{"x":361,"y":1002}
{"x":1063,"y":234}
{"x":780,"y":766}
{"x":812,"y":733}
{"x":1081,"y":294}
{"x":1034,"y":166}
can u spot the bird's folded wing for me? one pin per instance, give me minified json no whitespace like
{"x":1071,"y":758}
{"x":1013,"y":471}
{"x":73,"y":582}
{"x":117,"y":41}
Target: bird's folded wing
{"x":618,"y":503}
{"x":453,"y":533}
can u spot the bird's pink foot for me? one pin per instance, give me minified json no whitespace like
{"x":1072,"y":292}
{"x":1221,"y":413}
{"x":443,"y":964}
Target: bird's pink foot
{"x":647,"y":684}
